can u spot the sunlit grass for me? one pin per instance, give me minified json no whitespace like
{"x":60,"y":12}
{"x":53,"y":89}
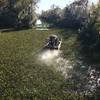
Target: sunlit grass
{"x":22,"y":77}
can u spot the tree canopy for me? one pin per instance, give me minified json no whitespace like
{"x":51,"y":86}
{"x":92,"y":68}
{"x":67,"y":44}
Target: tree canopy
{"x":71,"y":16}
{"x":19,"y":12}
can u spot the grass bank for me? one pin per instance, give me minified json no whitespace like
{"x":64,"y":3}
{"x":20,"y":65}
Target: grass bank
{"x":21,"y":76}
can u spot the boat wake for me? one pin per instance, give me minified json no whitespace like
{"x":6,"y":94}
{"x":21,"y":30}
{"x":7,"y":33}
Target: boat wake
{"x":54,"y":58}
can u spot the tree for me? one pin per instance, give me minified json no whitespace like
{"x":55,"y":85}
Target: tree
{"x":75,"y":13}
{"x":22,"y":12}
{"x":90,"y":36}
{"x":25,"y":12}
{"x":51,"y":16}
{"x":71,"y":16}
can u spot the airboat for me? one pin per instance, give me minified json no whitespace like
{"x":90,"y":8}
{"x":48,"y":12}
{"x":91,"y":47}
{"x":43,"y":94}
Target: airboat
{"x":53,"y":43}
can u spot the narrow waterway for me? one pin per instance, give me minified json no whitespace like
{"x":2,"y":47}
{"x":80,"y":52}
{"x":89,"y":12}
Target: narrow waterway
{"x":86,"y":79}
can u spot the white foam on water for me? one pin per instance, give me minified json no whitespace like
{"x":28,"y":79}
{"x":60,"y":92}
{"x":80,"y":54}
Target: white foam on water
{"x":53,"y":58}
{"x":49,"y":55}
{"x":64,"y":66}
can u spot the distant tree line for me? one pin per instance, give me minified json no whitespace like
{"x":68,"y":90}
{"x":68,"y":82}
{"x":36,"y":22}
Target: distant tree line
{"x":71,"y":16}
{"x":18,"y":13}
